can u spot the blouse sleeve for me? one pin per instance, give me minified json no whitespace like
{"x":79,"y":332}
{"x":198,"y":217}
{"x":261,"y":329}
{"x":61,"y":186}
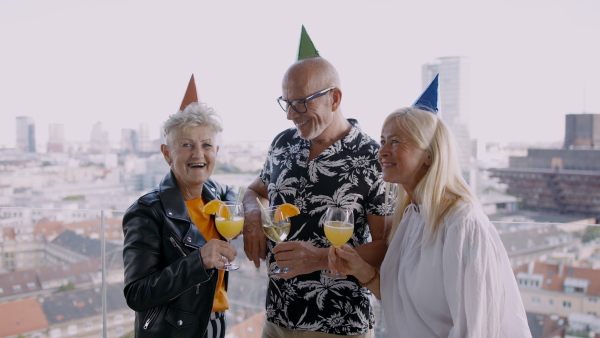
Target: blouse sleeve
{"x":471,"y":273}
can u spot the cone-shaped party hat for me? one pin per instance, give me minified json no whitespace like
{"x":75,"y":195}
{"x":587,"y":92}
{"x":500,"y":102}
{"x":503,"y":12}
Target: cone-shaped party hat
{"x":429,"y":98}
{"x":306,"y":48}
{"x":191,"y":95}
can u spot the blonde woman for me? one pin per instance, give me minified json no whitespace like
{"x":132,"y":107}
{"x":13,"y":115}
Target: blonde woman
{"x":446,"y":272}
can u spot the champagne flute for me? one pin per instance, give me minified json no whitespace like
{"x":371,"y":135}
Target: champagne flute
{"x":276,"y":227}
{"x":229,"y":222}
{"x":339,"y":227}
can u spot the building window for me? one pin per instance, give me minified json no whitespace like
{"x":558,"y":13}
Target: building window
{"x":55,"y":333}
{"x":72,"y":329}
{"x":551,"y":302}
{"x":119,"y":331}
{"x":119,"y":319}
{"x":88,"y":326}
{"x":535,"y":300}
{"x":566,"y":304}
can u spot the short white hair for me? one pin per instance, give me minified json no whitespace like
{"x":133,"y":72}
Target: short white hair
{"x":194,"y":115}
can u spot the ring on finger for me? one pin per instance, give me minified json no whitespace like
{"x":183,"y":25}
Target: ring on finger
{"x":223,"y":259}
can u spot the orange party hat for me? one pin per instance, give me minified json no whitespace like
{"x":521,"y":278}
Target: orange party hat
{"x":191,"y":95}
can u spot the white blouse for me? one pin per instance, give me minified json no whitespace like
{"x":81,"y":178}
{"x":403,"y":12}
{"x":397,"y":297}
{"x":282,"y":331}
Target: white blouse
{"x":458,"y":285}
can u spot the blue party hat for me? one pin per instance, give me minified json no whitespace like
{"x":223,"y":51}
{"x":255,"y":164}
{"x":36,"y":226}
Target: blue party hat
{"x":429,"y":98}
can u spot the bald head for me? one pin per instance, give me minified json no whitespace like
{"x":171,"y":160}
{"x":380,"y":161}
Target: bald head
{"x":312,"y":74}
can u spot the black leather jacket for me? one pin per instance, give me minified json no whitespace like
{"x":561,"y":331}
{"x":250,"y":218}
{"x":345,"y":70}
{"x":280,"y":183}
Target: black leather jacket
{"x":165,"y":281}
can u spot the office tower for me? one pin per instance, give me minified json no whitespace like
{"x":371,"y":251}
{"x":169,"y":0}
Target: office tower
{"x":56,"y":138}
{"x":582,"y":131}
{"x":144,"y":144}
{"x":25,"y":134}
{"x":99,"y":142}
{"x":129,"y":141}
{"x":454,"y":97}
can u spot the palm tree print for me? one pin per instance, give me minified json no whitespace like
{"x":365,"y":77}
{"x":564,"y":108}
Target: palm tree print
{"x":347,"y":175}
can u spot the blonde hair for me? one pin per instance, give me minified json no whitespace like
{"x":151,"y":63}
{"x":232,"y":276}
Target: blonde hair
{"x":442,"y":189}
{"x":194,"y":115}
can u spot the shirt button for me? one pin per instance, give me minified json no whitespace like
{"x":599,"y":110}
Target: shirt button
{"x":180,"y":322}
{"x":170,"y":213}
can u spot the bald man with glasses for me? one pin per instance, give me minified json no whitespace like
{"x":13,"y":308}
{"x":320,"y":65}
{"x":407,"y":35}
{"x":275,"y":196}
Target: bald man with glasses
{"x":324,"y":161}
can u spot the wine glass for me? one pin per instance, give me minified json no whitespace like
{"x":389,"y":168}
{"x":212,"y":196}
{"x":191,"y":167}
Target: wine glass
{"x":276,"y":227}
{"x":339,"y":227}
{"x":229,"y":222}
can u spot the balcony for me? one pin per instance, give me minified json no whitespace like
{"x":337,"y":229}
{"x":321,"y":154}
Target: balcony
{"x":62,"y":276}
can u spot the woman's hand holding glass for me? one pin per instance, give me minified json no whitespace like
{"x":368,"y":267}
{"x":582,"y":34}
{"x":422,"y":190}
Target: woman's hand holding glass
{"x":347,"y":261}
{"x":216,"y":253}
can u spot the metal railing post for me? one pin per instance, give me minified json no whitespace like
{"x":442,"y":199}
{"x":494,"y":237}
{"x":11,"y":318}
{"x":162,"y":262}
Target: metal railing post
{"x":103,"y":263}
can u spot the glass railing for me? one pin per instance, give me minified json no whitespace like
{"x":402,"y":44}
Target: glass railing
{"x":61,"y":275}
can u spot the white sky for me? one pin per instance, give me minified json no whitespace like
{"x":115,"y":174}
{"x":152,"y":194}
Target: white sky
{"x":128,"y":62}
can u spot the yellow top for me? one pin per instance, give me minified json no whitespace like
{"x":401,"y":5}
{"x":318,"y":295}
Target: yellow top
{"x":209,"y":231}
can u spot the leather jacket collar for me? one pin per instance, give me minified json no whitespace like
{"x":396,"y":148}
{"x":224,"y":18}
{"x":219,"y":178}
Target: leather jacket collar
{"x":175,"y":208}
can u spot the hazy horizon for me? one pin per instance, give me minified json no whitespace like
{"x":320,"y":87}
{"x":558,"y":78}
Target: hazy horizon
{"x":125,"y":63}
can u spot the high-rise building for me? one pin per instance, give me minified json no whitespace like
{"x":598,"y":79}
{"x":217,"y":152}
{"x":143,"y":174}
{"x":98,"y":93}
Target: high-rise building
{"x":582,"y":131}
{"x":56,"y":138}
{"x":25,"y":134}
{"x":144,"y":143}
{"x":99,"y":142}
{"x":129,"y":141}
{"x":454,"y":99}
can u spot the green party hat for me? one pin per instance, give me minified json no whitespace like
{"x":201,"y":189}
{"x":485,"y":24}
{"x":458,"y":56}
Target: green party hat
{"x":306,"y":48}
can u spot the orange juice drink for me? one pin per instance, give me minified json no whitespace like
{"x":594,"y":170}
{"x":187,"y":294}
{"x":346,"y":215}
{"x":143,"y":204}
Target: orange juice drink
{"x":229,"y":228}
{"x":338,"y":233}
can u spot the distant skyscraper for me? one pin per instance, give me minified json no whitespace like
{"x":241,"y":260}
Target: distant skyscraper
{"x":56,"y":138}
{"x":128,"y":141}
{"x":582,"y":131}
{"x":454,"y":97}
{"x":144,"y":143}
{"x":25,"y":134}
{"x":99,"y":142}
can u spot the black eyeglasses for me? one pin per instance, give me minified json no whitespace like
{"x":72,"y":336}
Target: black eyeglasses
{"x":299,"y":105}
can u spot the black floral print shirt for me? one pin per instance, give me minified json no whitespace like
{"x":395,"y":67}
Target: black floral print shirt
{"x":347,"y":174}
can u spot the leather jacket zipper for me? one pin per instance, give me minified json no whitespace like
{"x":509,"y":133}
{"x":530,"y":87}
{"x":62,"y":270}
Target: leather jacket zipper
{"x":177,"y":246}
{"x":182,"y":253}
{"x":151,"y":317}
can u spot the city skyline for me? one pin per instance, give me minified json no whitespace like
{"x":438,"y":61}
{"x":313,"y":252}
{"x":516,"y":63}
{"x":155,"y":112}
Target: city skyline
{"x":128,"y":63}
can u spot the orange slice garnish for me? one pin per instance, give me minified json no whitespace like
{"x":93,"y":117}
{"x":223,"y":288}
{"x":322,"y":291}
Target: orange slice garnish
{"x":214,"y":207}
{"x":285,"y":210}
